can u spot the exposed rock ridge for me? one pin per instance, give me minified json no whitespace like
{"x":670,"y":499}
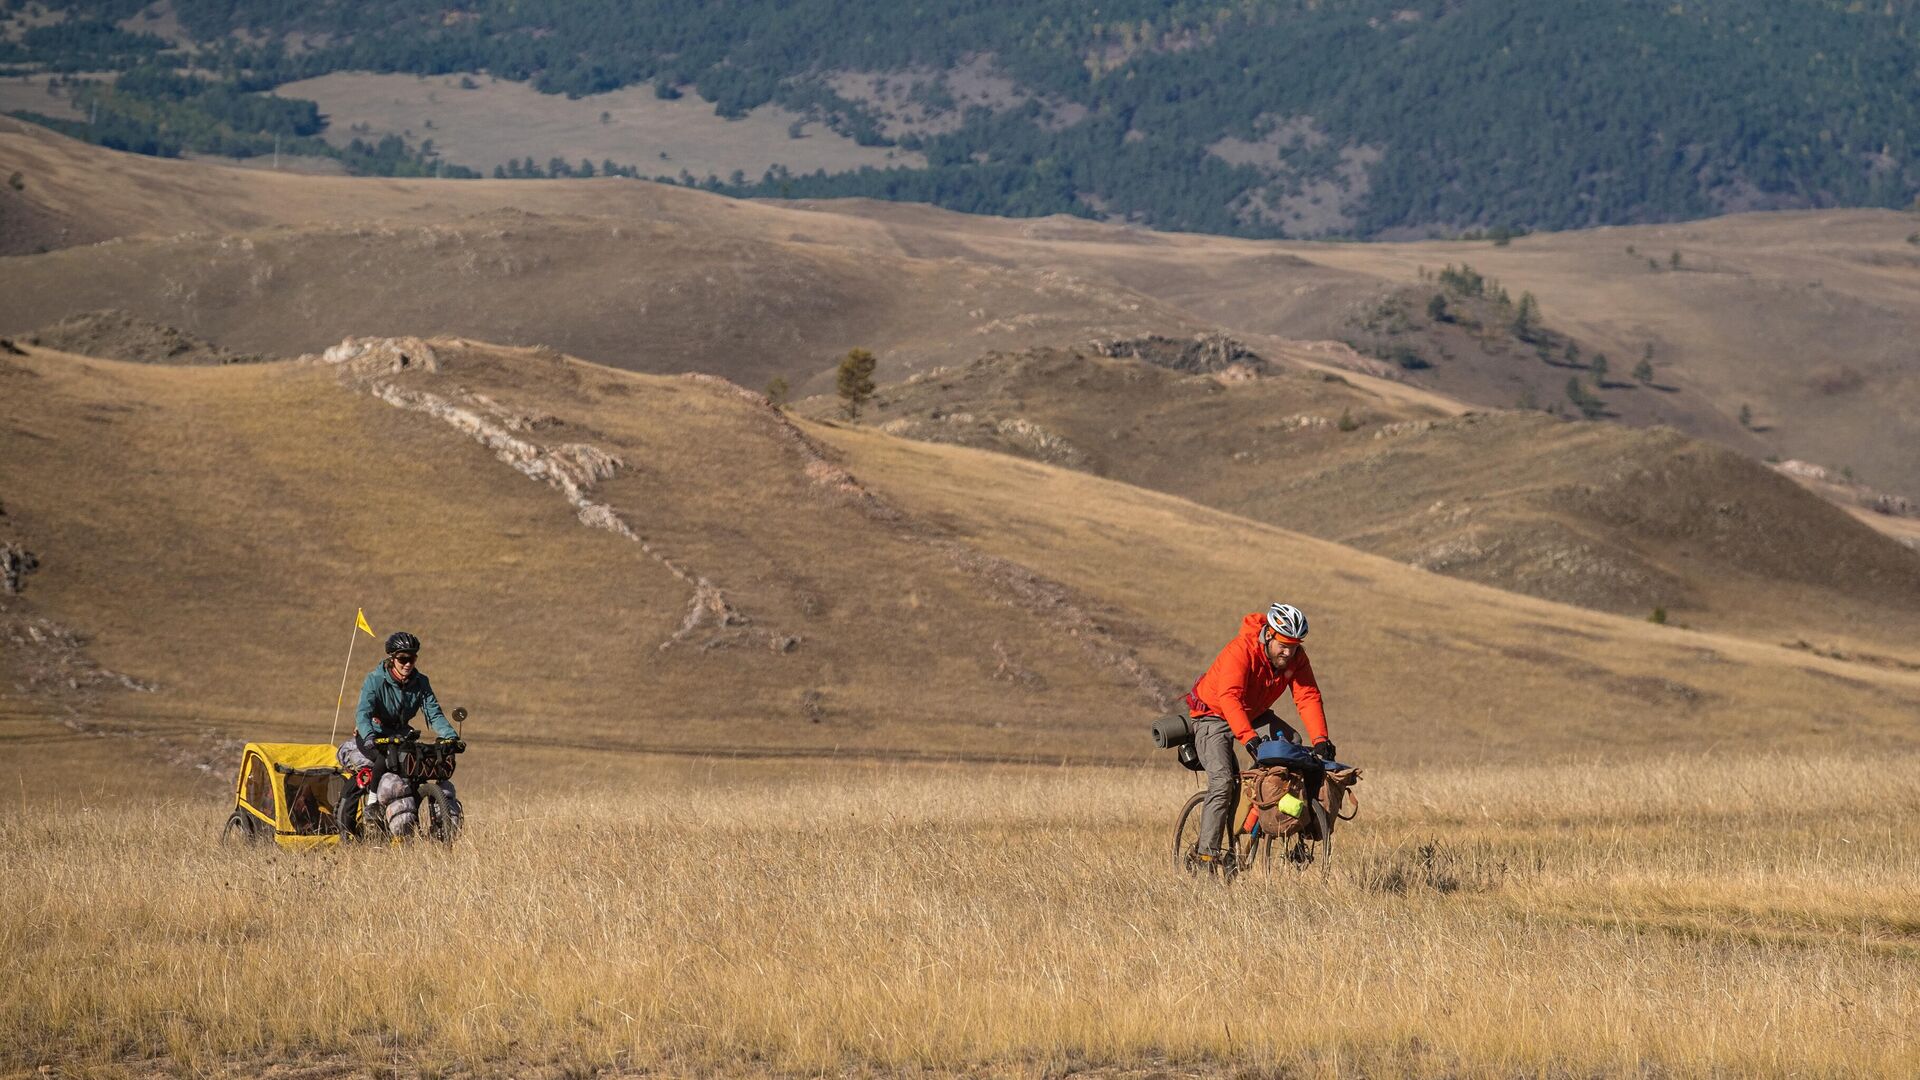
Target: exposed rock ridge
{"x":16,"y":562}
{"x":1202,"y":354}
{"x":1005,"y":581}
{"x":1846,"y":489}
{"x":569,"y":468}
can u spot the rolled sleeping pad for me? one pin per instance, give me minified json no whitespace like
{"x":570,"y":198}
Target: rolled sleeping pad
{"x":1171,"y":731}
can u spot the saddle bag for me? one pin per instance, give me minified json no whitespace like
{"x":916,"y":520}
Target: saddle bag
{"x":412,"y":763}
{"x":1337,"y":793}
{"x":1273,"y":800}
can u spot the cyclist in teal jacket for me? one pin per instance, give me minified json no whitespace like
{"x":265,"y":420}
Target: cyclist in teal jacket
{"x":395,"y":692}
{"x":392,"y":695}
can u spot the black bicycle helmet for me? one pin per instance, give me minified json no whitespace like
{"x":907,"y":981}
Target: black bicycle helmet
{"x":402,"y":642}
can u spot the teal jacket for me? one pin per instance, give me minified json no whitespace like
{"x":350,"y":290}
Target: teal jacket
{"x":386,"y":706}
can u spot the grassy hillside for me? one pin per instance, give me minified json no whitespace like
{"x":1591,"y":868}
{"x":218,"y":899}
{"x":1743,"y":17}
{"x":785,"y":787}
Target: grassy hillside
{"x":1798,"y":318}
{"x":753,"y":607}
{"x":760,"y":597}
{"x":1591,"y":514}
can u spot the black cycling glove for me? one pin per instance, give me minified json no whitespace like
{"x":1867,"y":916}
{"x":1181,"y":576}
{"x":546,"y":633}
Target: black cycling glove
{"x":1323,"y":750}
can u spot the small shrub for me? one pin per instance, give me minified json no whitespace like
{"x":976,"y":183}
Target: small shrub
{"x":1746,"y":416}
{"x":1347,"y":422}
{"x":1590,"y":405}
{"x":18,"y":181}
{"x":777,"y":391}
{"x":1407,"y":357}
{"x":1659,"y":616}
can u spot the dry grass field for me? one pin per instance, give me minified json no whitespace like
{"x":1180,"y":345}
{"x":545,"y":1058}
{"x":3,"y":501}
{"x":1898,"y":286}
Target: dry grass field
{"x":1683,"y":916}
{"x":496,"y":121}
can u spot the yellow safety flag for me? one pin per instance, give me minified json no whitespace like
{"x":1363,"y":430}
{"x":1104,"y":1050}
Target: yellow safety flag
{"x":353,"y":635}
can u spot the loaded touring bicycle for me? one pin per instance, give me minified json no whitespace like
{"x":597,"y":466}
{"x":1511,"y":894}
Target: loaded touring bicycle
{"x":298,"y":795}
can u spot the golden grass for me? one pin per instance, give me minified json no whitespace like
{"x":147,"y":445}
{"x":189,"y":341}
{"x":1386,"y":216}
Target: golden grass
{"x":1691,"y":917}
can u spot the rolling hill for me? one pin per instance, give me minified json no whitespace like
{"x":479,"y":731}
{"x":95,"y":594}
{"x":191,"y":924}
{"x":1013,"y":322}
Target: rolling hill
{"x":1596,"y":515}
{"x":1800,"y":319}
{"x":599,"y":558}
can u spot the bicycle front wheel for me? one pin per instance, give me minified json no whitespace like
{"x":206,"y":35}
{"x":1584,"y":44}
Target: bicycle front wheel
{"x":1324,"y":823}
{"x":438,"y":820}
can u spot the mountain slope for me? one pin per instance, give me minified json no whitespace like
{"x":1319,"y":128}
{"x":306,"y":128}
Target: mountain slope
{"x":1798,"y":318}
{"x":1585,"y":513}
{"x":1295,"y":119}
{"x":596,"y":557}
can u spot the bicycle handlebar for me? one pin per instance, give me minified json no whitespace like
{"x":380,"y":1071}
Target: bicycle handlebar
{"x":414,"y":740}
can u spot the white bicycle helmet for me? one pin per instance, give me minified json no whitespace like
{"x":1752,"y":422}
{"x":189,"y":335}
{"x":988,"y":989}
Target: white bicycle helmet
{"x":1287,"y":621}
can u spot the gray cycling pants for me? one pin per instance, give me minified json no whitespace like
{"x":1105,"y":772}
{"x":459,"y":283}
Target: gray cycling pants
{"x":1213,"y":744}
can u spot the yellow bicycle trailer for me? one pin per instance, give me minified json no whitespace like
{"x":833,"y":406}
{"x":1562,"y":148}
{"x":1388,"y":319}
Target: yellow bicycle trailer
{"x":286,"y":791}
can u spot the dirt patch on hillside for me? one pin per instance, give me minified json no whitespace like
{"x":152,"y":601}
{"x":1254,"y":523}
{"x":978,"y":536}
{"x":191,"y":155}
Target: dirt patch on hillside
{"x":926,"y":101}
{"x":120,"y":335}
{"x":482,"y":122}
{"x":1314,"y":185}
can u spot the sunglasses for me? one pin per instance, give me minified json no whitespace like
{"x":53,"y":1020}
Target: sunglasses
{"x":403,"y":658}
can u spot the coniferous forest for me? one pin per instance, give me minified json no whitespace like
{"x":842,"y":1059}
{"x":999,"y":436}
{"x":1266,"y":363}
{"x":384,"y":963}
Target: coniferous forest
{"x":1411,"y":117}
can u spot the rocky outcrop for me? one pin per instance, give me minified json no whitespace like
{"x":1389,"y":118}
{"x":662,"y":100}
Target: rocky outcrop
{"x":121,"y":335}
{"x":1843,"y":489}
{"x":16,"y":563}
{"x":1203,"y":354}
{"x":572,"y":468}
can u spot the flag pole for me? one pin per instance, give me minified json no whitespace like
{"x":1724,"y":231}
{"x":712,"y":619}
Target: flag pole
{"x":342,"y":699}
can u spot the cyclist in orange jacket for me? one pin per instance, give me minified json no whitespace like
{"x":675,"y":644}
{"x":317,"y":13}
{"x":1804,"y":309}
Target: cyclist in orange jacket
{"x":1235,"y":697}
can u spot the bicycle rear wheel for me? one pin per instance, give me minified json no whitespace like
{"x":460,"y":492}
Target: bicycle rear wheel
{"x":1186,"y":835}
{"x":1186,"y":843}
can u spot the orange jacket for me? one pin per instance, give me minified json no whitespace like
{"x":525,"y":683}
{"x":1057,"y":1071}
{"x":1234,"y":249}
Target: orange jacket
{"x":1242,"y":684}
